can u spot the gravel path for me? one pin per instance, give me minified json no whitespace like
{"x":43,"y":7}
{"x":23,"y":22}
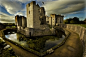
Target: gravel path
{"x":72,"y":48}
{"x":20,"y":52}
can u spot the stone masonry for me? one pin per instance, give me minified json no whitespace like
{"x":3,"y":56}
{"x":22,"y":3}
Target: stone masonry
{"x":35,"y":23}
{"x":54,"y":19}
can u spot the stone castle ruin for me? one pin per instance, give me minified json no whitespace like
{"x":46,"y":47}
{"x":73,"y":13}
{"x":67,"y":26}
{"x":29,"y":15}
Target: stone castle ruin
{"x":35,"y":24}
{"x":54,"y":19}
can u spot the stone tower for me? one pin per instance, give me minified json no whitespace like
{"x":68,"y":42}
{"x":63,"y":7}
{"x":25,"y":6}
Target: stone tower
{"x":16,"y":19}
{"x":59,"y":19}
{"x":55,"y":19}
{"x":33,"y":15}
{"x":24,"y":21}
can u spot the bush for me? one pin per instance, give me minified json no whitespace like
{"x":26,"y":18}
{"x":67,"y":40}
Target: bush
{"x":8,"y":27}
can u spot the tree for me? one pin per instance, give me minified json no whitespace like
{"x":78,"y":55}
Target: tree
{"x":76,"y":20}
{"x":72,"y":22}
{"x":85,"y":21}
{"x":66,"y":21}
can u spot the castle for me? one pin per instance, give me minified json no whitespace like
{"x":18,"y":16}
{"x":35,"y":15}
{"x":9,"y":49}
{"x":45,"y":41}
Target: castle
{"x":36,"y":22}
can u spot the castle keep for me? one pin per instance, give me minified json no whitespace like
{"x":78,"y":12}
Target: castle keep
{"x":35,"y":15}
{"x":35,"y":24}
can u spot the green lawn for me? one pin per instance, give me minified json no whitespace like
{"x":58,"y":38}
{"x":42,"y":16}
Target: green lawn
{"x":83,"y":25}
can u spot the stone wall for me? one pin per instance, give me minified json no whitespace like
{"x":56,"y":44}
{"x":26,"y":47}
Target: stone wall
{"x":43,"y":30}
{"x":38,"y":32}
{"x":81,"y":31}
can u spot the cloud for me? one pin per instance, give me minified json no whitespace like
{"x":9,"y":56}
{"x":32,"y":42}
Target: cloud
{"x":5,"y":18}
{"x":7,"y":21}
{"x":47,"y":0}
{"x":11,"y":6}
{"x":63,"y":7}
{"x":24,"y":1}
{"x":72,"y":8}
{"x":19,"y":13}
{"x":16,"y":7}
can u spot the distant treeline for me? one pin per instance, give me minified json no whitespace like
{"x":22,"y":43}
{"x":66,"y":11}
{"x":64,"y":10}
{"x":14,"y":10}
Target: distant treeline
{"x":2,"y":26}
{"x":5,"y":25}
{"x":74,"y":20}
{"x":8,"y":24}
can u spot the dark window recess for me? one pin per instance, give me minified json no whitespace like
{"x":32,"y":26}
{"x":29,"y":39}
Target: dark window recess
{"x":56,"y":20}
{"x":30,"y":34}
{"x":51,"y":18}
{"x":29,"y":4}
{"x":47,"y":21}
{"x":60,"y":21}
{"x":29,"y":12}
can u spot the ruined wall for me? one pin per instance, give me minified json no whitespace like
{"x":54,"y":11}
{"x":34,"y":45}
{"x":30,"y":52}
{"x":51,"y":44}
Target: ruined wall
{"x":42,"y":16}
{"x":62,"y":17}
{"x":20,"y":21}
{"x":58,"y":18}
{"x":81,"y":31}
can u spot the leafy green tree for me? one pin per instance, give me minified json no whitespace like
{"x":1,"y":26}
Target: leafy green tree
{"x":73,"y":22}
{"x":66,"y":21}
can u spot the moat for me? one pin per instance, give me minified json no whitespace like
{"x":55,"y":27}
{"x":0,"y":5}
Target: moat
{"x":39,"y":44}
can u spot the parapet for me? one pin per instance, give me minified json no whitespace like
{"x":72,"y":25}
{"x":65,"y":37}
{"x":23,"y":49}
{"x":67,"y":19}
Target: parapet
{"x":53,"y":15}
{"x":33,"y":2}
{"x":41,"y":7}
{"x":59,"y":15}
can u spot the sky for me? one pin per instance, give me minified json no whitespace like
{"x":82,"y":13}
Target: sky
{"x":69,"y":8}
